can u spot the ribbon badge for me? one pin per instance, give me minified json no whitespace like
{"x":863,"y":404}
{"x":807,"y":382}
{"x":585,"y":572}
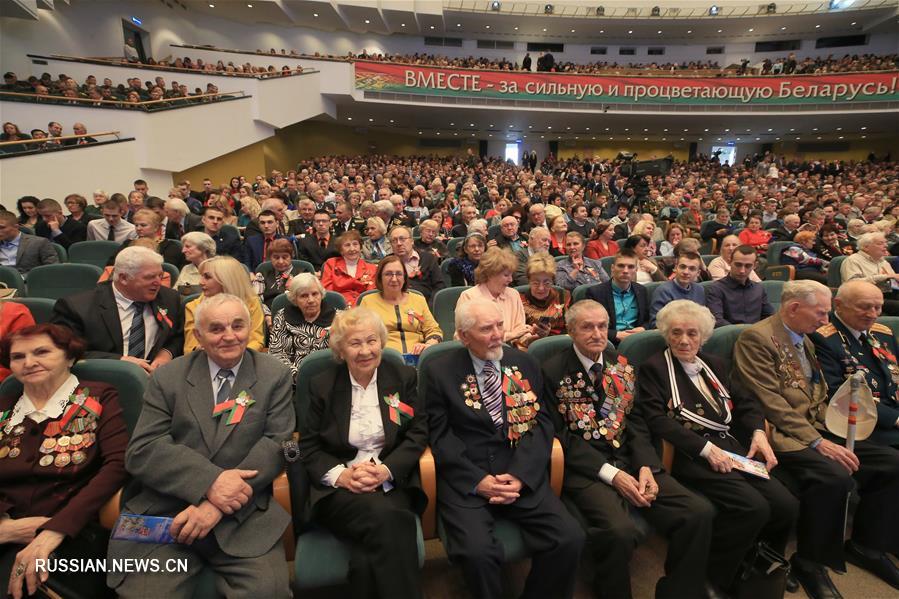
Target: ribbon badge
{"x":81,"y":404}
{"x":235,"y":408}
{"x":414,"y":316}
{"x":399,"y":412}
{"x":4,"y":417}
{"x":162,"y":315}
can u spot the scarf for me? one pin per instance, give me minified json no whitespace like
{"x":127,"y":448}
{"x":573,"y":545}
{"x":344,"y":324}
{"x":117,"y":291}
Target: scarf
{"x":692,"y":370}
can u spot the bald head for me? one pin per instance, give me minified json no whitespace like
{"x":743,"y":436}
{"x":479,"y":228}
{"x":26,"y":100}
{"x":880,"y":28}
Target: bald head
{"x":858,"y":304}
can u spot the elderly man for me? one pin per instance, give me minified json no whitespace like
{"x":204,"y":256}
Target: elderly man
{"x":719,"y":228}
{"x":611,"y":465}
{"x":179,"y":219}
{"x":428,"y":242}
{"x":22,"y":251}
{"x":344,"y":220}
{"x":56,"y":227}
{"x":132,"y":317}
{"x":113,"y":226}
{"x":870,"y":264}
{"x":626,"y":301}
{"x":468,"y":213}
{"x":735,"y":299}
{"x":537,"y":242}
{"x":775,"y":361}
{"x":205,"y":452}
{"x":421,"y":267}
{"x":536,"y":219}
{"x":854,"y":341}
{"x":788,"y":230}
{"x":491,"y":435}
{"x":508,"y":236}
{"x":385,"y":211}
{"x":302,"y":225}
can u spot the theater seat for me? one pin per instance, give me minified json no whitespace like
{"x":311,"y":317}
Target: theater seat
{"x":775,"y":249}
{"x":332,"y":299}
{"x":321,"y":559}
{"x":834,"y":279}
{"x":96,"y":252}
{"x":452,"y":247}
{"x":774,"y":289}
{"x":722,"y":342}
{"x":54,"y":281}
{"x":173,"y":271}
{"x":41,"y":308}
{"x":639,"y":347}
{"x":892,"y":322}
{"x":12,"y":279}
{"x":780,"y":273}
{"x":580,"y":292}
{"x":445,"y":309}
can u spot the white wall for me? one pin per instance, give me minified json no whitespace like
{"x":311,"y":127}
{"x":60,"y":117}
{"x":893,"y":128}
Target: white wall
{"x":95,"y":29}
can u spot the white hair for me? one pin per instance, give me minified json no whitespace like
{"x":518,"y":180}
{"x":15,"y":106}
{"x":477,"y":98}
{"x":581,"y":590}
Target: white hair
{"x":178,"y":205}
{"x":867,"y":239}
{"x":131,"y":260}
{"x":465,"y":314}
{"x":384,"y":206}
{"x":353,"y":318}
{"x":575,"y":312}
{"x":478,"y":225}
{"x":805,"y":291}
{"x":201,"y":241}
{"x":689,"y":311}
{"x":217,"y":300}
{"x":304,"y":282}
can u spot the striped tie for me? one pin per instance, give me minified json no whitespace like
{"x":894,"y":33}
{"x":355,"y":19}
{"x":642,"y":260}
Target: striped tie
{"x":224,"y":390}
{"x":136,"y":342}
{"x":493,"y":393}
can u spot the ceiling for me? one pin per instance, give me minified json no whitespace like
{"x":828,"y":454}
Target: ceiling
{"x":578,"y":23}
{"x":495,"y":124}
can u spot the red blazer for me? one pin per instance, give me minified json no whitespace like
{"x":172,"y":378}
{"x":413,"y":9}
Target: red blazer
{"x":13,"y":316}
{"x":597,"y":252}
{"x":336,"y":278}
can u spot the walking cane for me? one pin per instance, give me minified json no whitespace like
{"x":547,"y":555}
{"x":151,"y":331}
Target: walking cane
{"x":855,"y":383}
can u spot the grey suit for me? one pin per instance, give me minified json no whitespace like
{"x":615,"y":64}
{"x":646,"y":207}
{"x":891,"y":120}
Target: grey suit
{"x":34,"y":251}
{"x":178,"y":450}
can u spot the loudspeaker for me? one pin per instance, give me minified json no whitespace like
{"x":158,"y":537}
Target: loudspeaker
{"x":693,"y":150}
{"x":554,"y":148}
{"x":482,"y":148}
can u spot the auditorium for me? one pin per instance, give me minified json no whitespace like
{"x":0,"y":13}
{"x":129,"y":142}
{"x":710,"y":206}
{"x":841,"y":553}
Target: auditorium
{"x":439,"y":299}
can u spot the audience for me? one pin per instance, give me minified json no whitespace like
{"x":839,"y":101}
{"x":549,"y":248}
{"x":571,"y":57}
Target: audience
{"x":22,"y":251}
{"x":736,"y":298}
{"x":303,"y":325}
{"x":196,"y":247}
{"x":626,"y":302}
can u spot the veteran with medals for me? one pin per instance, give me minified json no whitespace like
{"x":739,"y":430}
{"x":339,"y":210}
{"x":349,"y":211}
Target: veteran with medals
{"x":491,"y":435}
{"x":854,"y":341}
{"x":360,"y":446}
{"x":205,"y":451}
{"x":776,"y":362}
{"x":62,"y":457}
{"x":686,"y":399}
{"x":611,"y":466}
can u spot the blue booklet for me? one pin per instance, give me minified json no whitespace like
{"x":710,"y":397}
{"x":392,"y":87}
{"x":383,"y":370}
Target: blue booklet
{"x":143,"y":529}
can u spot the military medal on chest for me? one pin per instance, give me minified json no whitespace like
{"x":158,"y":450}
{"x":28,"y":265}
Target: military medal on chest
{"x":471,"y":392}
{"x":521,"y":404}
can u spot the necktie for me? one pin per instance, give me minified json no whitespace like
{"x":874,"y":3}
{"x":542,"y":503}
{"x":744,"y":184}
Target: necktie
{"x":136,"y":343}
{"x":323,"y":242}
{"x":265,"y":245}
{"x":493,"y":394}
{"x":111,"y":235}
{"x":180,"y":230}
{"x":224,"y":385}
{"x":596,"y":373}
{"x":803,"y":360}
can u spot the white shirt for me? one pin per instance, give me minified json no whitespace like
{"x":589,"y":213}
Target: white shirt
{"x":366,"y":432}
{"x":98,"y":230}
{"x":607,"y":472}
{"x":54,"y":407}
{"x":126,"y":315}
{"x":213,"y":372}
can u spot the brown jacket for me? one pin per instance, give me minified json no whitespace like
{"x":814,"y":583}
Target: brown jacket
{"x":766,"y":364}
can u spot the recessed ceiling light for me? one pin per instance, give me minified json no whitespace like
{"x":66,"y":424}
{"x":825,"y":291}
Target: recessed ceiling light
{"x":706,"y":130}
{"x":587,"y":129}
{"x":549,"y":127}
{"x":576,"y":137}
{"x":212,"y":6}
{"x":682,"y":139}
{"x":814,"y":128}
{"x":839,"y":128}
{"x":852,"y":23}
{"x":516,"y":29}
{"x":419,"y":132}
{"x":727,"y":130}
{"x":455,"y":134}
{"x":541,"y":137}
{"x":645,"y":139}
{"x":349,"y":118}
{"x":602,"y":30}
{"x":487,"y":26}
{"x":402,"y":24}
{"x":864,"y":136}
{"x":438,"y":133}
{"x":817,"y":27}
{"x":491,"y":126}
{"x":472,"y":134}
{"x":720,"y":30}
{"x":863,"y":128}
{"x":249,"y":6}
{"x":685,"y":130}
{"x":568,"y":128}
{"x":489,"y":135}
{"x":748,"y":130}
{"x":452,"y":124}
{"x":391,"y":120}
{"x":758,"y":138}
{"x":751,"y":30}
{"x":719,"y":139}
{"x":315,"y":15}
{"x":629,"y":31}
{"x":689,"y":31}
{"x":432,"y":27}
{"x":819,"y":137}
{"x":659,"y":31}
{"x":544,"y":30}
{"x":510,"y":126}
{"x":367,"y":22}
{"x":770,"y":130}
{"x":776,"y":139}
{"x":792,"y":129}
{"x":572,"y":31}
{"x":628,"y":138}
{"x":626,"y":129}
{"x":371,"y":120}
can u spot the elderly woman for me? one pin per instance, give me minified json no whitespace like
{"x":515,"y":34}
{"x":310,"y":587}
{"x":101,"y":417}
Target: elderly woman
{"x":224,"y":274}
{"x":360,"y":446}
{"x":100,"y":198}
{"x":410,"y":325}
{"x":719,"y":267}
{"x":428,"y":241}
{"x":870,"y":264}
{"x":544,"y":305}
{"x":77,"y":207}
{"x":196,"y":247}
{"x":558,"y":228}
{"x":492,"y":279}
{"x":686,"y":399}
{"x":273,"y":282}
{"x":146,"y":225}
{"x":828,"y":245}
{"x":303,"y":325}
{"x":61,"y":462}
{"x":377,"y":245}
{"x":576,"y":269}
{"x":801,"y":256}
{"x":601,"y":245}
{"x":348,"y":274}
{"x":461,"y":269}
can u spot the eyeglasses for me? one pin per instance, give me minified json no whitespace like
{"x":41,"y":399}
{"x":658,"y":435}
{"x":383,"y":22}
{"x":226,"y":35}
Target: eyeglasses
{"x":393,"y":275}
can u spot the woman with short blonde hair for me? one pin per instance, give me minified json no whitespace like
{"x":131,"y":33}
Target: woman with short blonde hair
{"x":493,"y":277}
{"x":545,"y":306}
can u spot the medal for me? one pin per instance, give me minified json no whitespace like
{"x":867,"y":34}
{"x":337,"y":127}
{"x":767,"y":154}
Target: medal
{"x":48,"y":445}
{"x":62,"y":460}
{"x":14,"y":452}
{"x":46,"y":460}
{"x":64,"y":442}
{"x":4,"y":451}
{"x":78,"y":457}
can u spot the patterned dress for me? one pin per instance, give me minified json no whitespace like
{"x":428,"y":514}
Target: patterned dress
{"x":293,"y":338}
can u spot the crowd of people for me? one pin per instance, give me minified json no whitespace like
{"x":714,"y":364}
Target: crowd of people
{"x":51,"y":137}
{"x":388,"y":234}
{"x":65,"y":90}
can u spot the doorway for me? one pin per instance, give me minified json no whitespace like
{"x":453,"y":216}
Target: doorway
{"x":138,"y":36}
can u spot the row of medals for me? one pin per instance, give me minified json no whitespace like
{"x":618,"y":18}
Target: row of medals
{"x":578,"y":403}
{"x":59,"y":451}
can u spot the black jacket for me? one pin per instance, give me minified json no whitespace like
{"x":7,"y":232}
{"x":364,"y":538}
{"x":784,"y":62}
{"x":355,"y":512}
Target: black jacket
{"x":602,"y":293}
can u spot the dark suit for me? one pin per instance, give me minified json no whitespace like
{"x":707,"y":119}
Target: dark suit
{"x":467,"y":447}
{"x":34,"y":251}
{"x":841,"y":354}
{"x":309,"y":249}
{"x":227,"y":243}
{"x":192,"y":222}
{"x":383,"y":523}
{"x":338,"y":228}
{"x":177,"y":452}
{"x":780,"y":233}
{"x":429,"y":280}
{"x":602,"y":293}
{"x":685,"y":518}
{"x":71,"y":232}
{"x":254,"y":250}
{"x":747,"y":507}
{"x":94,"y":316}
